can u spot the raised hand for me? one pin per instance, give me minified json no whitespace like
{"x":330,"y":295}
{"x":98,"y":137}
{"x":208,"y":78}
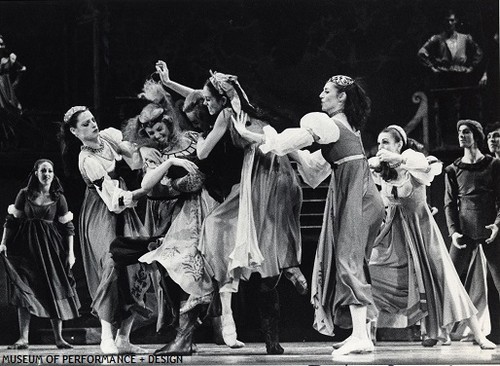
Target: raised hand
{"x":240,"y":123}
{"x":162,"y":69}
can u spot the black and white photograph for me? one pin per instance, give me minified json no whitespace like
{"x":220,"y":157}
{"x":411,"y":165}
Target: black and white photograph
{"x":250,"y":182}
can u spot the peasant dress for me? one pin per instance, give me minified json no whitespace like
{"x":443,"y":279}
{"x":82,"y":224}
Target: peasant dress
{"x":178,"y":250}
{"x":37,"y":258}
{"x":256,"y":228}
{"x":413,"y":277}
{"x":103,"y":217}
{"x":353,"y":214}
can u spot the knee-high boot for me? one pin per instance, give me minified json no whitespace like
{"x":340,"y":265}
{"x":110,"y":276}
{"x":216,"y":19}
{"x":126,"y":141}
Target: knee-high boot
{"x":269,"y":309}
{"x":182,"y":345}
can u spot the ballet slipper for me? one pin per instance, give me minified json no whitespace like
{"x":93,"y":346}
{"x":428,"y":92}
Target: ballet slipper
{"x":354,"y":345}
{"x":229,"y":332}
{"x":337,"y":345}
{"x":371,"y":328}
{"x":486,"y":344}
{"x":108,"y":346}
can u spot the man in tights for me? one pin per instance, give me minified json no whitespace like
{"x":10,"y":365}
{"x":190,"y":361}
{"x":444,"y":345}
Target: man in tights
{"x":472,"y":208}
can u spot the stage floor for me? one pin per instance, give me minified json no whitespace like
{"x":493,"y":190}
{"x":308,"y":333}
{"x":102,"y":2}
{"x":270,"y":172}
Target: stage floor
{"x":311,"y":353}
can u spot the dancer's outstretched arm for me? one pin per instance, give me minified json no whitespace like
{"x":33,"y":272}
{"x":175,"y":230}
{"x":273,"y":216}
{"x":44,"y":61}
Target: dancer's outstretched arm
{"x":162,"y":69}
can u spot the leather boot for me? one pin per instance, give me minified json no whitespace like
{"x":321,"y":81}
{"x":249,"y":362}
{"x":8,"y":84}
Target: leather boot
{"x":269,"y":314}
{"x":217,"y":330}
{"x":182,"y":345}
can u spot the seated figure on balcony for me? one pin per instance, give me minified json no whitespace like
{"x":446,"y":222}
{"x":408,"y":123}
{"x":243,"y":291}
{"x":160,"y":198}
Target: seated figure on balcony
{"x":453,"y":58}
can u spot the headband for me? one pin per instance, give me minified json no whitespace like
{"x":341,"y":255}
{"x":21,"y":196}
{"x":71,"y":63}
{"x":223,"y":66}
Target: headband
{"x":72,"y":111}
{"x":401,"y":131}
{"x":341,"y":80}
{"x":225,"y":84}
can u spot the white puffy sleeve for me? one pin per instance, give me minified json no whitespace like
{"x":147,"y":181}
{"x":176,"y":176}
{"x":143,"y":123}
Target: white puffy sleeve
{"x":312,"y":167}
{"x":420,"y":167}
{"x":108,"y":189}
{"x":124,"y":149}
{"x":314,"y":127}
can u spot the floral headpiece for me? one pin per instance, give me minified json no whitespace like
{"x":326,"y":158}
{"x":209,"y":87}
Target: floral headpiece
{"x":225,"y":85}
{"x":401,"y":131}
{"x":72,"y":111}
{"x":341,"y":80}
{"x":151,"y":114}
{"x":153,"y":91}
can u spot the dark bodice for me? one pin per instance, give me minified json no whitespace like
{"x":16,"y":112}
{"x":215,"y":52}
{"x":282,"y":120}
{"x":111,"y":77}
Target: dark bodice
{"x":472,"y":195}
{"x":348,"y":144}
{"x":222,"y":167}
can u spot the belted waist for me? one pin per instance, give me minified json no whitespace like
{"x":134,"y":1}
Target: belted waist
{"x":348,"y":158}
{"x":165,"y":198}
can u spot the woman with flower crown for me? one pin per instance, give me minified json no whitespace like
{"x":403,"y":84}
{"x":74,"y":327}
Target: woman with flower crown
{"x":341,"y":294}
{"x":157,"y":132}
{"x":259,"y":216}
{"x":107,"y":211}
{"x":185,"y":203}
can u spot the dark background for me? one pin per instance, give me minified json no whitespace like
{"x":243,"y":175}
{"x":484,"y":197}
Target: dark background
{"x":98,"y":53}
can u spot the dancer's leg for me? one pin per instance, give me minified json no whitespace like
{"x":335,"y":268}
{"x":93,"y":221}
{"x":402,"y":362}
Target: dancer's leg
{"x":359,"y":341}
{"x":228,"y":326}
{"x":57,"y":329}
{"x":24,"y":318}
{"x":123,"y":337}
{"x":480,"y":338}
{"x":108,"y":345}
{"x":269,"y":309}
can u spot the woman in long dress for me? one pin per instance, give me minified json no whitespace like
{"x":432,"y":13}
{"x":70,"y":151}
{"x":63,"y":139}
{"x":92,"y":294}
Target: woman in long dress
{"x":107,"y":211}
{"x":413,"y":277}
{"x":37,"y":244}
{"x":341,"y":294}
{"x":155,"y":142}
{"x":177,"y":249}
{"x":261,"y":188}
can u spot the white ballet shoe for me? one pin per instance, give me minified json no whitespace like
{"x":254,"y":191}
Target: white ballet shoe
{"x":108,"y":346}
{"x":337,"y":345}
{"x":447,"y":342}
{"x":354,"y":345}
{"x":125,"y":347}
{"x":371,"y":328}
{"x":229,"y":332}
{"x":486,"y":344}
